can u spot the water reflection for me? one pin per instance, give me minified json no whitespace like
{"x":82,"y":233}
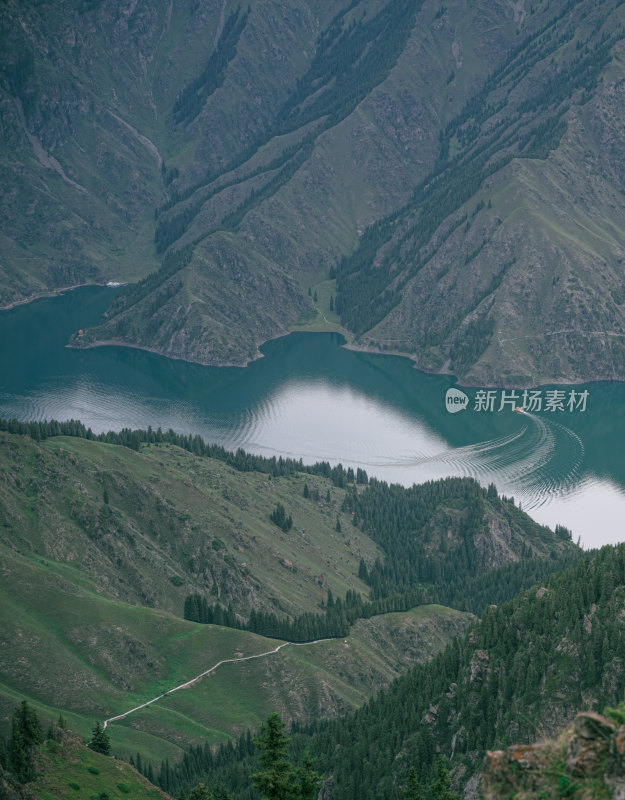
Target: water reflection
{"x":310,"y":398}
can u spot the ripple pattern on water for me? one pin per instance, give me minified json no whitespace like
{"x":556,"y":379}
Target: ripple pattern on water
{"x":311,"y":399}
{"x":540,"y":461}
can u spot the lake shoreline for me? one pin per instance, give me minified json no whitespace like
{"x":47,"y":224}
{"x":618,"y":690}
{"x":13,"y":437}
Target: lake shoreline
{"x":365,"y":349}
{"x":156,"y":352}
{"x":54,"y":293}
{"x":348,"y":344}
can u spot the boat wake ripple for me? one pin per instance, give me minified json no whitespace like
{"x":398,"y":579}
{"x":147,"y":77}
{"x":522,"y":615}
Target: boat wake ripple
{"x":541,"y":460}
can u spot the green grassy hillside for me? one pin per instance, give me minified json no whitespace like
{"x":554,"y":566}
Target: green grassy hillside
{"x":150,"y":527}
{"x":100,"y":544}
{"x":66,"y":768}
{"x":71,"y":650}
{"x":103,"y":631}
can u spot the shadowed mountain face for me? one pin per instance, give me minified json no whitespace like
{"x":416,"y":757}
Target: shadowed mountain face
{"x":457,"y":170}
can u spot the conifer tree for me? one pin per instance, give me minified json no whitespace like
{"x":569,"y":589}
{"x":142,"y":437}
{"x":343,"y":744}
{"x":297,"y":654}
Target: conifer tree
{"x":19,"y":756}
{"x":441,"y":789}
{"x":276,"y":779}
{"x":308,"y":779}
{"x":100,"y":742}
{"x":414,"y":790}
{"x":25,"y":734}
{"x":200,"y":792}
{"x":29,"y":723}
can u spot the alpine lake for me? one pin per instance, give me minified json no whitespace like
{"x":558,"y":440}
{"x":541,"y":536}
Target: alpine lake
{"x":563,"y":459}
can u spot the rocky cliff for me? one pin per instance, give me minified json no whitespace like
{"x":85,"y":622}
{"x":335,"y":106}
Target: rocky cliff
{"x":586,"y":761}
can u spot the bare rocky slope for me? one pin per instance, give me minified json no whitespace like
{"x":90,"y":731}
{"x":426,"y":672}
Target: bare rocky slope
{"x":456,"y":169}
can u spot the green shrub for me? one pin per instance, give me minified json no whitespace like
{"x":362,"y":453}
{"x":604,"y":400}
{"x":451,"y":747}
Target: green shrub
{"x":616,"y":714}
{"x":93,"y":770}
{"x":123,"y":788}
{"x":566,"y":786}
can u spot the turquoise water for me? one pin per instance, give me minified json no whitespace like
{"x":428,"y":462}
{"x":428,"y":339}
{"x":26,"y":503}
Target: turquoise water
{"x":310,"y":398}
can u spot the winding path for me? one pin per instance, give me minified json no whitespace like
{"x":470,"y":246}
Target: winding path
{"x":199,"y":677}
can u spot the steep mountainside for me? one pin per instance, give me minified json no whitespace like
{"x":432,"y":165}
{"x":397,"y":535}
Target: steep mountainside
{"x":521,"y":674}
{"x":235,"y":156}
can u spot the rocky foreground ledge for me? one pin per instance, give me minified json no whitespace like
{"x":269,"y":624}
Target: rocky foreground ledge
{"x":587,"y":762}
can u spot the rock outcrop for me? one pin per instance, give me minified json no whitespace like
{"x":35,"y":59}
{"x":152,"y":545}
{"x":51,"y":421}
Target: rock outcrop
{"x":586,"y":762}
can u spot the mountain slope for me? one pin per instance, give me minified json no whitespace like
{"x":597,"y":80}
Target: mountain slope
{"x":66,"y":768}
{"x":149,"y":527}
{"x":507,"y":255}
{"x":522,"y":673}
{"x":238,"y":156}
{"x":116,"y":537}
{"x":71,"y":651}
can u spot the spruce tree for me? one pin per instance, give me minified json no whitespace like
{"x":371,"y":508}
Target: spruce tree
{"x":29,"y":723}
{"x":100,"y":742}
{"x":414,"y":790}
{"x":276,"y":779}
{"x":25,"y":734}
{"x":441,"y":789}
{"x":20,"y":764}
{"x":308,"y":779}
{"x":200,"y":792}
